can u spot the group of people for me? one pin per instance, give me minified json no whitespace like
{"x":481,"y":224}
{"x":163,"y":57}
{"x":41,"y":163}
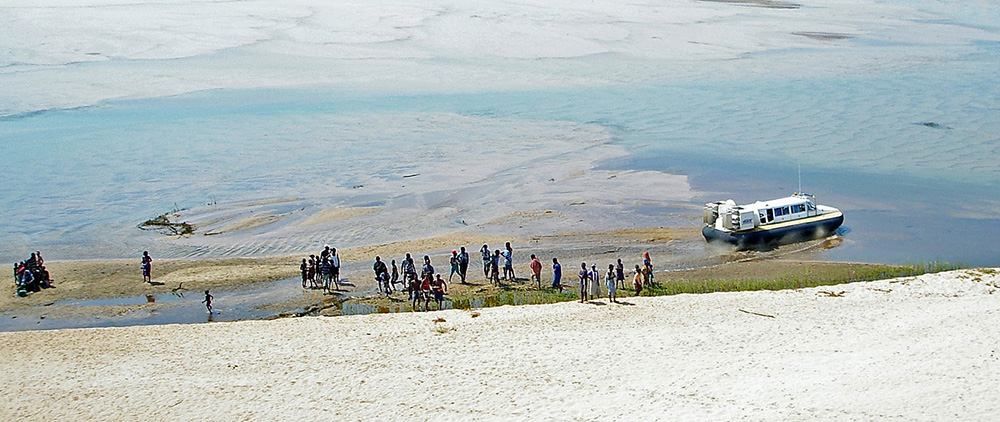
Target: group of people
{"x":322,"y":271}
{"x":30,"y":275}
{"x":423,"y":288}
{"x":614,"y":278}
{"x":425,"y":285}
{"x":492,"y":263}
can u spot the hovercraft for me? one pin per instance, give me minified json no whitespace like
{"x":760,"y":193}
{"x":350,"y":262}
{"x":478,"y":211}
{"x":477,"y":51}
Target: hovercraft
{"x":765,"y":224}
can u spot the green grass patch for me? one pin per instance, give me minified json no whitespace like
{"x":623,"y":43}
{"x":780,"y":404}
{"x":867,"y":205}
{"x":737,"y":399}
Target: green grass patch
{"x":748,"y":276}
{"x":812,"y":275}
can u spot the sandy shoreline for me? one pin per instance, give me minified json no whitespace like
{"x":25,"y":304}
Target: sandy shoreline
{"x":97,"y":279}
{"x":919,"y":348}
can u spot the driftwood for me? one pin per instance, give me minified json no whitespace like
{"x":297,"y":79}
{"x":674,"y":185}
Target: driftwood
{"x":179,"y":290}
{"x":754,"y":313}
{"x":163,"y":225}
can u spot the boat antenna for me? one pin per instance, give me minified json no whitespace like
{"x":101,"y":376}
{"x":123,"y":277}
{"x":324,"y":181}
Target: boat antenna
{"x":799,"y":161}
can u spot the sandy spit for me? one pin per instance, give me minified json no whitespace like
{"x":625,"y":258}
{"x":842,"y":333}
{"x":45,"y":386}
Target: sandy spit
{"x":921,"y":348}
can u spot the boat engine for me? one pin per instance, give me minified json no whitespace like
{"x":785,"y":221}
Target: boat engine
{"x":736,"y":219}
{"x":711,"y":213}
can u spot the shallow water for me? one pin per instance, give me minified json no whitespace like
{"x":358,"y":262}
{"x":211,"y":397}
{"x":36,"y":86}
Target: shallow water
{"x":908,"y":150}
{"x":234,"y":304}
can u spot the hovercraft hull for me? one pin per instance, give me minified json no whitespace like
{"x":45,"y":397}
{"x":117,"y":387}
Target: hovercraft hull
{"x":777,"y":234}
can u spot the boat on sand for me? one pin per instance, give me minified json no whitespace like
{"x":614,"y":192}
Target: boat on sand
{"x":765,"y":224}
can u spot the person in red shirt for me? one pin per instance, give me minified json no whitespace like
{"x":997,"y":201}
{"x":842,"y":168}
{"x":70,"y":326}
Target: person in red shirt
{"x":536,"y":270}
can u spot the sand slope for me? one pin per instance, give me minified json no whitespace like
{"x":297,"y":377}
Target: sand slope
{"x":910,"y":349}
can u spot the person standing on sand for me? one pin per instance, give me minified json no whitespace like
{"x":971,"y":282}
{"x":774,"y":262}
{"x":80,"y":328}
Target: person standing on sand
{"x":487,"y":261}
{"x":584,"y":277}
{"x":422,"y":290}
{"x":208,"y":301}
{"x":463,"y":263}
{"x":394,"y":278}
{"x":637,"y":280}
{"x":495,"y":267}
{"x":508,"y":262}
{"x":595,"y":282}
{"x":428,"y":268}
{"x":381,"y":272}
{"x":611,"y":281}
{"x":620,"y":273}
{"x":335,"y":267}
{"x":147,"y":267}
{"x":413,"y":288}
{"x":312,"y":271}
{"x":325,"y":274}
{"x":453,"y":261}
{"x":438,"y":289}
{"x":409,"y":270}
{"x":536,"y":270}
{"x":647,"y":269}
{"x":556,"y":275}
{"x":304,"y":268}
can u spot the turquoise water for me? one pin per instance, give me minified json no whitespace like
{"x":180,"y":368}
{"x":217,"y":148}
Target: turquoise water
{"x":908,"y":153}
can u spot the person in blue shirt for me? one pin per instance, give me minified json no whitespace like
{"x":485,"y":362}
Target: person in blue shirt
{"x":556,"y":274}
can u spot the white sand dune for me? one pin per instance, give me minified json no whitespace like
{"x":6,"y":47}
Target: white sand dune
{"x":920,"y":348}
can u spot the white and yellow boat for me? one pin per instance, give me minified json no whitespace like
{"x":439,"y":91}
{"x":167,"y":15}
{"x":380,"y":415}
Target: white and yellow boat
{"x":780,"y":221}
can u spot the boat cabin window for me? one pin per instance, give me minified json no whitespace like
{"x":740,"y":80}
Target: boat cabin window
{"x":797,"y":208}
{"x":770,"y":215}
{"x":778,"y":212}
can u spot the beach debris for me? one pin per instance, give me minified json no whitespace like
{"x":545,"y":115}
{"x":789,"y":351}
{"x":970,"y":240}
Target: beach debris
{"x":438,"y":320}
{"x":179,"y":290}
{"x":475,"y":314}
{"x":442,"y":329}
{"x":163,"y":225}
{"x":755,"y":313}
{"x":882,"y":290}
{"x":828,"y":293}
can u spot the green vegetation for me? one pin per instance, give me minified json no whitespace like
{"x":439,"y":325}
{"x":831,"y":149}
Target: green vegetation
{"x":163,"y":224}
{"x":805,"y":277}
{"x":764,"y":275}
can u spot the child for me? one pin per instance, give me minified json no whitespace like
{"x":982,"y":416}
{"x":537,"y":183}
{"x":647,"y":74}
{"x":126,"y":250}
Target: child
{"x":208,"y":301}
{"x":147,"y":263}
